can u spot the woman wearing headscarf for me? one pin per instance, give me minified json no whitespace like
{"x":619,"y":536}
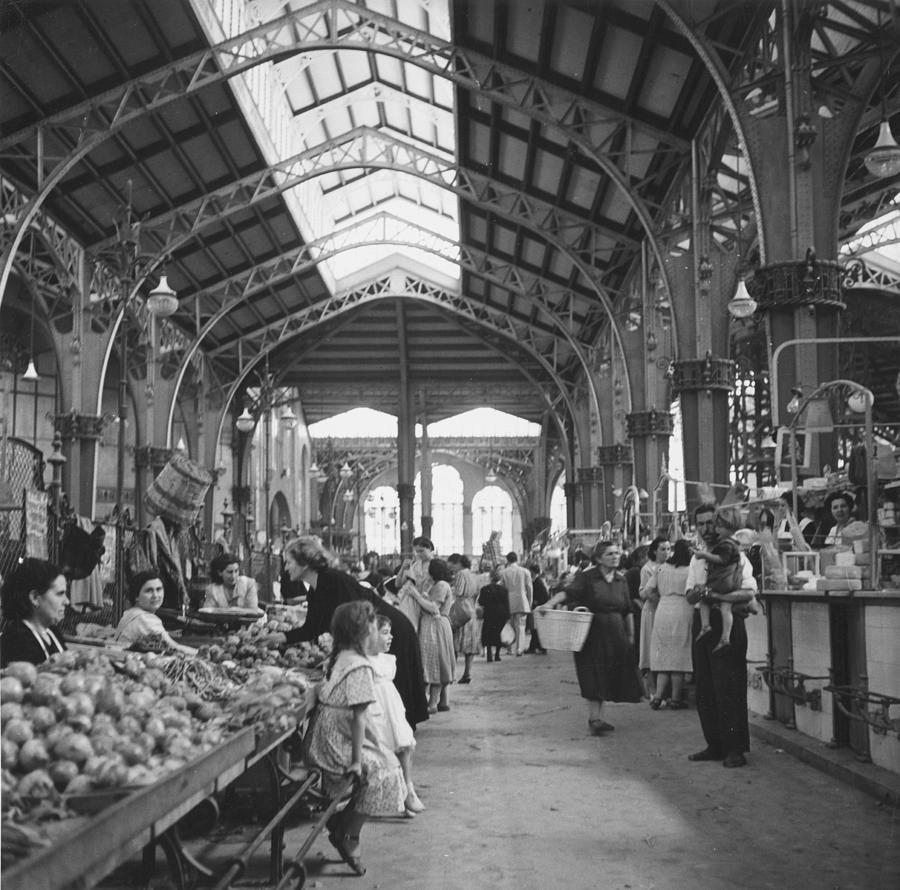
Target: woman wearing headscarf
{"x":305,"y":559}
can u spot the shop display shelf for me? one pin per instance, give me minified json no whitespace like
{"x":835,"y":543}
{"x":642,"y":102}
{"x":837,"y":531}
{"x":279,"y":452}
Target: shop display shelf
{"x":82,"y":858}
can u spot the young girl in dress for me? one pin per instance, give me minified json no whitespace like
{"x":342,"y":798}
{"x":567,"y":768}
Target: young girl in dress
{"x":388,"y":714}
{"x":341,"y":739}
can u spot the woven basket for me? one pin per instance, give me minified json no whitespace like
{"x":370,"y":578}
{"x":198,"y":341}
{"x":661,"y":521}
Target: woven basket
{"x":178,"y":492}
{"x":561,"y":629}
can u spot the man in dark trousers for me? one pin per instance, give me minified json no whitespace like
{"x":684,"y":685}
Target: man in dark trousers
{"x":720,"y":677}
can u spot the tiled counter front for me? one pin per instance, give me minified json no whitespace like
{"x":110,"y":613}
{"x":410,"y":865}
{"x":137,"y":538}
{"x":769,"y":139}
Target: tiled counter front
{"x":757,"y":655}
{"x":810,"y":637}
{"x":883,"y":661}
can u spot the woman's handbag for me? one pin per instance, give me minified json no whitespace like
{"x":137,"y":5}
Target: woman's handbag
{"x":507,"y":635}
{"x":461,"y":612}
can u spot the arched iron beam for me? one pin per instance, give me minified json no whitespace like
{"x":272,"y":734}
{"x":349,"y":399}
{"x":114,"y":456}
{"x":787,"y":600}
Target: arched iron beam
{"x":720,"y":78}
{"x":550,"y":403}
{"x":564,"y":231}
{"x":386,"y":288}
{"x":331,"y":25}
{"x":309,"y":255}
{"x":528,"y":335}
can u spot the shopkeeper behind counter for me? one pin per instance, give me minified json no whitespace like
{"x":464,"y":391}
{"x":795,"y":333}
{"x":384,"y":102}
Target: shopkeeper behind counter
{"x":840,"y":505}
{"x":34,"y":601}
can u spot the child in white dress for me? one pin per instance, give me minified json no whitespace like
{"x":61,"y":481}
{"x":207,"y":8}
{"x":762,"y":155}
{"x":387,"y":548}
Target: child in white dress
{"x":388,"y":716}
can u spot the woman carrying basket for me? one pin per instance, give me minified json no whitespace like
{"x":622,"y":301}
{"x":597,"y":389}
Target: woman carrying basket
{"x":604,"y":666}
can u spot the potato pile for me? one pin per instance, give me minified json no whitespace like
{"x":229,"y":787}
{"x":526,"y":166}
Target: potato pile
{"x":78,"y":723}
{"x":74,"y":725}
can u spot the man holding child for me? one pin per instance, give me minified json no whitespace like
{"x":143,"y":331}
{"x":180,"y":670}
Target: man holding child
{"x":720,"y":672}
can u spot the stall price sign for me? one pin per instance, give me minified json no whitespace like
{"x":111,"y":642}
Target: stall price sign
{"x":36,"y":505}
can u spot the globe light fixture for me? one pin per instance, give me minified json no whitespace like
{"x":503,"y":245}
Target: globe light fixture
{"x":858,"y":401}
{"x":883,"y":159}
{"x":742,"y":305}
{"x":162,"y":300}
{"x":245,"y":422}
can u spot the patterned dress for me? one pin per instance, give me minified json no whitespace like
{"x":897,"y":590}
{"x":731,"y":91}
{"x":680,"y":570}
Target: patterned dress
{"x":406,"y":602}
{"x":436,"y":638}
{"x":468,"y":637}
{"x":330,"y":747}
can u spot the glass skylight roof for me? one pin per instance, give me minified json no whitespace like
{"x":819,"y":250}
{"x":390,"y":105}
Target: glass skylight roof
{"x":331,"y":93}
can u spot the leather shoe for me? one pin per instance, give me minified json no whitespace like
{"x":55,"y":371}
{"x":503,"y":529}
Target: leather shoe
{"x":705,"y":754}
{"x":734,"y":760}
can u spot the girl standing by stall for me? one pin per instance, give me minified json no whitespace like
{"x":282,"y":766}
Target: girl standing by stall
{"x":341,"y":740}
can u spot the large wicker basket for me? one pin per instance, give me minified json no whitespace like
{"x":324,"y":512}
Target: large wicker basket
{"x":562,"y":629}
{"x":178,"y":492}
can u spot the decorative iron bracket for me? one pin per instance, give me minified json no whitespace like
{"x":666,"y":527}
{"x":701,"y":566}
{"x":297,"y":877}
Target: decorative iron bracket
{"x":808,"y":282}
{"x":80,"y":426}
{"x":613,"y":455}
{"x":589,"y":475}
{"x":706,"y":373}
{"x":649,"y":423}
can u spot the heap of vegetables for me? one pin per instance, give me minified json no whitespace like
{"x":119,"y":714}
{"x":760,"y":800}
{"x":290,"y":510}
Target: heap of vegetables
{"x":81,"y":722}
{"x":249,"y":647}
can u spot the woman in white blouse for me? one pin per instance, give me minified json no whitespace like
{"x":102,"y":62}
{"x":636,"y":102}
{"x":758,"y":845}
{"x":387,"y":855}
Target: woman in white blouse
{"x":230,"y":589}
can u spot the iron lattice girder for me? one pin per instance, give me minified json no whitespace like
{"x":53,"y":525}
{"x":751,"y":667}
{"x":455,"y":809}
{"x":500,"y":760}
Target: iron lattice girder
{"x":233,"y":292}
{"x":253,"y":348}
{"x":338,"y":24}
{"x":375,"y":454}
{"x":575,"y":237}
{"x":438,"y":391}
{"x":367,"y":148}
{"x":244,"y":351}
{"x":57,"y":276}
{"x":583,"y":352}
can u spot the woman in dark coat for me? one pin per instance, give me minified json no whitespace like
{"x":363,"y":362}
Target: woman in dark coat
{"x":306,"y":559}
{"x":493,"y":599}
{"x":605,"y":664}
{"x":34,"y":602}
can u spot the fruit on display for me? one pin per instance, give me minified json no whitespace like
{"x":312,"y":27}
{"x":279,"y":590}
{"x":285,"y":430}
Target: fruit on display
{"x":83,"y":722}
{"x":251,"y":647}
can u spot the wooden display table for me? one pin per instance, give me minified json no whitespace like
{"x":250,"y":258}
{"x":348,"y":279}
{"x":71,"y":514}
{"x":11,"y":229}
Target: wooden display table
{"x":82,"y":858}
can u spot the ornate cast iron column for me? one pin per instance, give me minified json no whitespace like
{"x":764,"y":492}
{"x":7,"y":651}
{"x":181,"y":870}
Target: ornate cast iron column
{"x":697,"y":381}
{"x":616,"y":462}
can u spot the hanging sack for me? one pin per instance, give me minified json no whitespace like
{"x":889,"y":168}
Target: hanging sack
{"x":507,"y":635}
{"x":461,"y":612}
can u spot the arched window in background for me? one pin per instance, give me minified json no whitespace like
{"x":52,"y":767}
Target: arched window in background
{"x":446,"y":509}
{"x":382,"y":524}
{"x":492,"y":510}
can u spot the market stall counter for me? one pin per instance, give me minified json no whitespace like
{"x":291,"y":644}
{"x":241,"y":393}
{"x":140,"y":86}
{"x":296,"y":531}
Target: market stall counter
{"x":135,"y":820}
{"x":121,"y":746}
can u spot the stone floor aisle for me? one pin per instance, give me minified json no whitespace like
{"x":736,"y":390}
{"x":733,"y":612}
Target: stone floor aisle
{"x":520,"y":797}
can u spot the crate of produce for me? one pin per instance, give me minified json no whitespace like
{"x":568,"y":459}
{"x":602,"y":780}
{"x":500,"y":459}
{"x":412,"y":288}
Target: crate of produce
{"x":563,"y":629}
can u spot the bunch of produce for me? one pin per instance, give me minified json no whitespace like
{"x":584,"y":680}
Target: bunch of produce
{"x":273,"y":700}
{"x":76,"y":724}
{"x":88,"y":631}
{"x":251,"y":647}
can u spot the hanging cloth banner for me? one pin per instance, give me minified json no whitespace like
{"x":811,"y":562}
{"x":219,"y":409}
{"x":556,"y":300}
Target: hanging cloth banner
{"x":36,"y":506}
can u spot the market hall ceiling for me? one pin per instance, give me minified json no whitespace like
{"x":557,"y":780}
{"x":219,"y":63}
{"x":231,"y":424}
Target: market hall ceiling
{"x":498,"y":164}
